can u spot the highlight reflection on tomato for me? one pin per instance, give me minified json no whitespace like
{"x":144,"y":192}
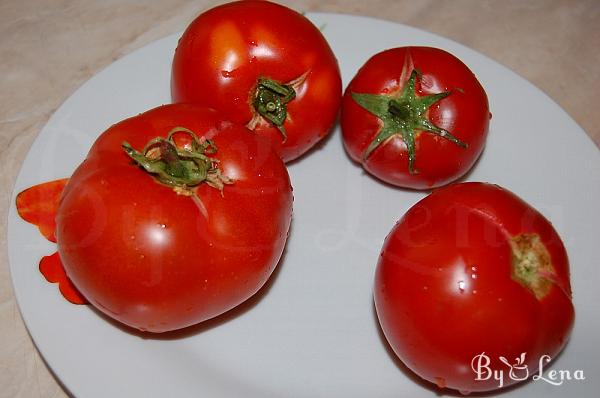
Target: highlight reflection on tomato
{"x":175,"y":216}
{"x":473,"y":269}
{"x":264,"y":66}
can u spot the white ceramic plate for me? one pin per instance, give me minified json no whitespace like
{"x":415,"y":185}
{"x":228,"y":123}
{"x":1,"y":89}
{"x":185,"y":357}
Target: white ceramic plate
{"x":312,"y":331}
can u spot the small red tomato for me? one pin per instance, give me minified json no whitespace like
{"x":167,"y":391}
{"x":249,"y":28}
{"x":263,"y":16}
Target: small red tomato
{"x":415,"y":117}
{"x":175,"y":216}
{"x":265,"y":66}
{"x":472,"y":269}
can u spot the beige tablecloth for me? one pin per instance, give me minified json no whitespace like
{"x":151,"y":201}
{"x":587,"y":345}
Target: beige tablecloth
{"x":49,"y":48}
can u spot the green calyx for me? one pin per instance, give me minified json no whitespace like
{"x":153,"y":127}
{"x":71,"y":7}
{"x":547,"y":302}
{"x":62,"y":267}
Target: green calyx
{"x":270,"y":101}
{"x":404,"y":115}
{"x":180,"y":167}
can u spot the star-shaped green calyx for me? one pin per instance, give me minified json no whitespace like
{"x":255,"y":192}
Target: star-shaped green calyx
{"x":403,"y":114}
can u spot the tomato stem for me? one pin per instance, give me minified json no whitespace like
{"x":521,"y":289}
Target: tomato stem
{"x":180,"y":167}
{"x":404,"y":115}
{"x":270,"y":100}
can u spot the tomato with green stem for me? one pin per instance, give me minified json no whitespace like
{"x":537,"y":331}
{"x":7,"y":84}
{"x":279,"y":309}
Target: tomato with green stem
{"x":262,"y":65}
{"x":472,"y":269}
{"x":415,"y":117}
{"x":175,"y":216}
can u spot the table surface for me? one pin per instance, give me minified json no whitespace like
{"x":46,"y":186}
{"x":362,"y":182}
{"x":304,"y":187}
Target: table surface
{"x":47,"y":52}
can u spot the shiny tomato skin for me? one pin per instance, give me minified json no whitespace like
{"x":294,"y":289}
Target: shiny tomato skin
{"x":464,"y":113}
{"x":156,"y":260}
{"x":226,"y":49}
{"x":444,"y":291}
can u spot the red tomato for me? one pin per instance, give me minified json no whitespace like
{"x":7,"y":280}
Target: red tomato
{"x":415,"y":117}
{"x":264,"y":66}
{"x":162,"y":233}
{"x":473,"y":269}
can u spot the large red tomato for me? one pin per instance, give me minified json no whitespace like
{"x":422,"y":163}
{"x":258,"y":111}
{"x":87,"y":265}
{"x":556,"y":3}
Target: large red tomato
{"x":264,"y":66}
{"x":174,"y":217}
{"x":415,"y":117}
{"x":472,"y":269}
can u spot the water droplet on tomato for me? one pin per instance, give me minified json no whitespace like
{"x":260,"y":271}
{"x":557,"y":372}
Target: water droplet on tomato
{"x":132,"y":237}
{"x":163,"y":226}
{"x":229,"y":73}
{"x":473,"y":274}
{"x":461,"y":286}
{"x":142,"y":257}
